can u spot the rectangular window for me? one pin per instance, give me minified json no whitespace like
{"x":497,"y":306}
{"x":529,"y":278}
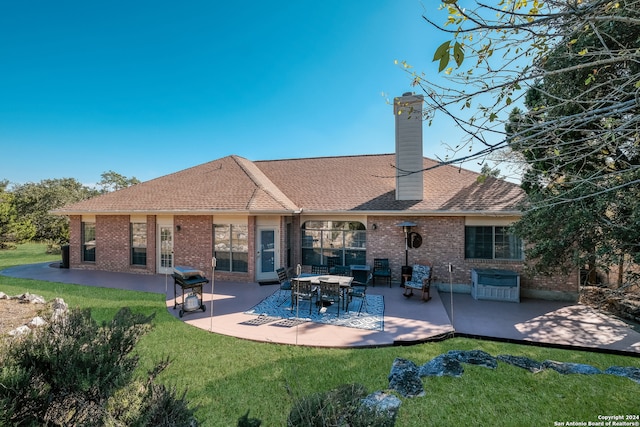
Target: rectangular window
{"x":507,"y":246}
{"x":231,"y":247}
{"x":491,"y":242}
{"x":138,"y":243}
{"x":89,"y":242}
{"x":341,"y":242}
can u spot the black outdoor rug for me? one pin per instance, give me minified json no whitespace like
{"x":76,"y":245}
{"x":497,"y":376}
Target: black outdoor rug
{"x":260,"y":320}
{"x":278,"y":306}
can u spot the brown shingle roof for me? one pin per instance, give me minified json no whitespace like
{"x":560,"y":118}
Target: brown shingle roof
{"x":367,"y":183}
{"x":229,"y":184}
{"x":324,"y":184}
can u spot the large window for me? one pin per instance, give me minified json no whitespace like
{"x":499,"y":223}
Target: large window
{"x":491,"y":242}
{"x":138,"y":243}
{"x":342,"y":241}
{"x":231,"y":247}
{"x":89,"y":241}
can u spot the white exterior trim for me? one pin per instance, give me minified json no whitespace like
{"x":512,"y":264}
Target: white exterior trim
{"x":487,"y":220}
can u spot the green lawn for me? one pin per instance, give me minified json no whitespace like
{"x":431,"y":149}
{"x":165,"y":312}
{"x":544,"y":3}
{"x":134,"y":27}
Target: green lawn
{"x":225,"y":376}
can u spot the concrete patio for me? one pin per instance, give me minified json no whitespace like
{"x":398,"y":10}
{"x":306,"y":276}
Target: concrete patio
{"x":406,"y":321}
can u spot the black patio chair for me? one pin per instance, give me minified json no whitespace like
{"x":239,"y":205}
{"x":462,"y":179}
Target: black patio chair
{"x":330,"y":292}
{"x":341,"y":270}
{"x":381,"y":269}
{"x":333,"y":261}
{"x":285,"y":284}
{"x":302,"y":289}
{"x":319,"y":269}
{"x":358,"y":290}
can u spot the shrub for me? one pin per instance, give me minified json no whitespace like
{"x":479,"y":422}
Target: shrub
{"x":337,"y":407}
{"x":53,"y":247}
{"x":68,"y":372}
{"x":245,"y":421}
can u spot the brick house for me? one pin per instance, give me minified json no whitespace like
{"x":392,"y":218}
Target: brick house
{"x":256,"y":216}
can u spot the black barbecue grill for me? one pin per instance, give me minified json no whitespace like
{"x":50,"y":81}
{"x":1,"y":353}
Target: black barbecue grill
{"x":190,"y":280}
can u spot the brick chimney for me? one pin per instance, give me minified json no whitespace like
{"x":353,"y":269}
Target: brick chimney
{"x":408,"y":113}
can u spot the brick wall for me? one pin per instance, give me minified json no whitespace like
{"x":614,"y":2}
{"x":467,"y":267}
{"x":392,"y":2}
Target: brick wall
{"x":112,"y":245}
{"x":443,"y":244}
{"x":75,"y":241}
{"x":112,"y":242}
{"x":152,"y":243}
{"x":296,"y":236}
{"x":283,"y":241}
{"x":193,"y":243}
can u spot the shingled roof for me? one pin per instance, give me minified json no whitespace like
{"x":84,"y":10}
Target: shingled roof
{"x":364,"y":184}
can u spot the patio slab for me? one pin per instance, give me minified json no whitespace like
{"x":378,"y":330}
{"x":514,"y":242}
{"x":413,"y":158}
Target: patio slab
{"x":543,"y":322}
{"x":406,"y":321}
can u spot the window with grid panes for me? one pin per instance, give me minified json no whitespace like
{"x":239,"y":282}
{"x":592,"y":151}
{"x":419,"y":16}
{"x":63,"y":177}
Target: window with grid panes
{"x":231,"y":247}
{"x":342,"y":240}
{"x":89,"y":241}
{"x":491,"y":242}
{"x":138,"y":243}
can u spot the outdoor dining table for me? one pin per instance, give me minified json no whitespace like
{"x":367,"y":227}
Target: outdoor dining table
{"x":344,"y":281}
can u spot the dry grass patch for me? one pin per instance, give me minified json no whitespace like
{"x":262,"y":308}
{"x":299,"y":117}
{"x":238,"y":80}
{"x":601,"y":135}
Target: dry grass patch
{"x":14,"y":313}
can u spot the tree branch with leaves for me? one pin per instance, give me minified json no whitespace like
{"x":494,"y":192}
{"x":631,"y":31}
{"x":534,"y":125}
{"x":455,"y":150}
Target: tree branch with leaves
{"x":572,"y":69}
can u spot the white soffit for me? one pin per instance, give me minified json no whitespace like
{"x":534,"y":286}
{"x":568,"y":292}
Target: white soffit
{"x":231,"y":219}
{"x":490,"y":220}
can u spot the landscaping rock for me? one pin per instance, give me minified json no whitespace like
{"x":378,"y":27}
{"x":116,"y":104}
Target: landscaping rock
{"x":59,"y":312}
{"x":384,"y":404}
{"x":32,"y":299}
{"x":20,"y":330}
{"x":36,"y":322}
{"x":625,"y":371}
{"x":522,"y":362}
{"x":474,"y":357}
{"x":60,"y":309}
{"x":440,"y":366}
{"x":571,"y":368}
{"x":404,"y":378}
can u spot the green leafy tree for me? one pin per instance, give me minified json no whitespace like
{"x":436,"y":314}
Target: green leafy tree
{"x":486,"y":172}
{"x":586,"y":170}
{"x":33,"y":202}
{"x":494,"y":52}
{"x":113,"y":181}
{"x":572,"y":67}
{"x":13,"y":229}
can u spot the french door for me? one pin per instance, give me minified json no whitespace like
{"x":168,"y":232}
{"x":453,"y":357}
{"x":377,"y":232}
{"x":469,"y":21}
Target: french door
{"x":165,"y":249}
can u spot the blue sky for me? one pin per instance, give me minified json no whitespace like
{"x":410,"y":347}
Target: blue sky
{"x":147,"y":88}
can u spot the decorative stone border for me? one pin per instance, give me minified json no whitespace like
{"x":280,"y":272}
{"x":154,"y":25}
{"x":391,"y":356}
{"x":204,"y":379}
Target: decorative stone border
{"x":58,"y":310}
{"x":406,"y":377}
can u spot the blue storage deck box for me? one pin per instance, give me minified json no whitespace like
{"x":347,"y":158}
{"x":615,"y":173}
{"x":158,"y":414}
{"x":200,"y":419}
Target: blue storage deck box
{"x":497,"y":285}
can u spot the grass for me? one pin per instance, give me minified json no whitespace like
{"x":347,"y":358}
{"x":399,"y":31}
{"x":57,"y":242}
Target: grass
{"x":225,"y":376}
